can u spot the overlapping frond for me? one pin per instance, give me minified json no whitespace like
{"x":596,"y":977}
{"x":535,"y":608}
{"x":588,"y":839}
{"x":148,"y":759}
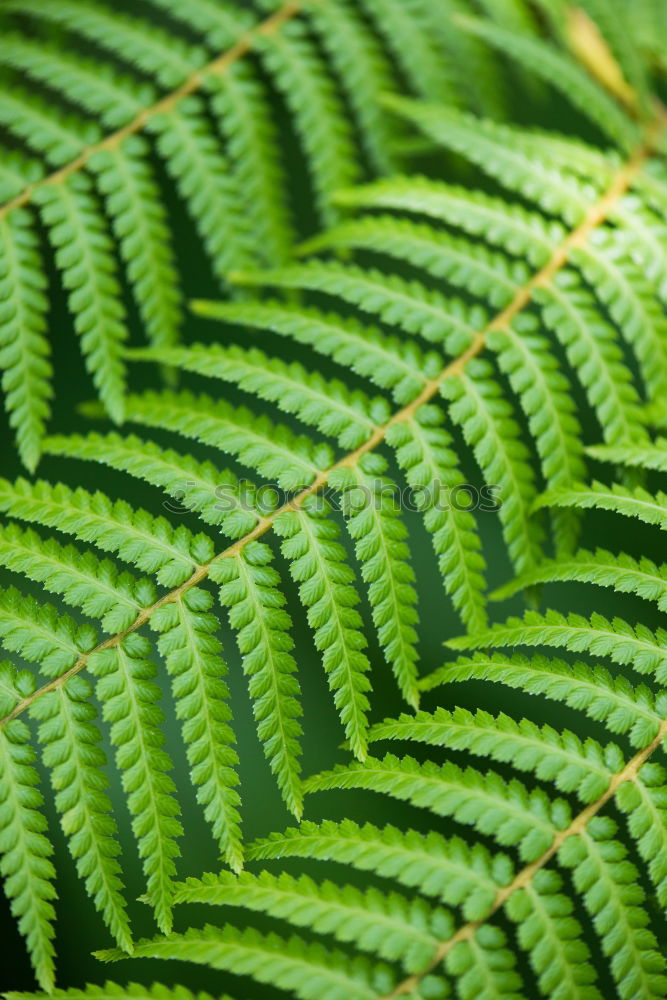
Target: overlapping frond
{"x":580,"y":832}
{"x":205,"y":106}
{"x":553,"y":268}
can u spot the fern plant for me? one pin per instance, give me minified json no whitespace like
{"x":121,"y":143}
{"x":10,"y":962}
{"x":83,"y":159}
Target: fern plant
{"x":492,"y":319}
{"x":91,"y":129}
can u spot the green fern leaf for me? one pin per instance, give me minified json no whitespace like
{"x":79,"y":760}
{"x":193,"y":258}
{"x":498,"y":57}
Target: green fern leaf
{"x":24,"y":348}
{"x":271,"y":959}
{"x":508,"y":812}
{"x":374,"y":522}
{"x":572,"y":765}
{"x":147,"y":542}
{"x":388,"y":362}
{"x":637,"y":646}
{"x":608,"y":883}
{"x":274,"y":451}
{"x":70,"y":740}
{"x":84,"y":581}
{"x":564,"y":74}
{"x":407,"y":305}
{"x":553,"y":937}
{"x":424,"y":450}
{"x":326,"y":588}
{"x":635,"y":502}
{"x":133,"y":991}
{"x":26,"y":851}
{"x":292,"y":59}
{"x":250,"y":590}
{"x":197,"y":486}
{"x":388,"y":925}
{"x":625,"y":574}
{"x":127,"y":690}
{"x":133,"y":203}
{"x":488,"y":424}
{"x":193,"y":657}
{"x":83,"y":252}
{"x":449,"y":870}
{"x":461,"y":262}
{"x":520,"y":232}
{"x":594,"y":690}
{"x":644,"y":455}
{"x":322,"y":403}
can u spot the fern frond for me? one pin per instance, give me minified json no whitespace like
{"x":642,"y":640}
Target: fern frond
{"x":622,"y":286}
{"x":488,"y":424}
{"x":24,"y":347}
{"x":137,"y":42}
{"x":553,"y":937}
{"x":364,"y":70}
{"x":200,"y":170}
{"x":251,"y":112}
{"x":644,"y":232}
{"x":310,"y":970}
{"x":472,"y":70}
{"x":240,"y":104}
{"x":412,"y":45}
{"x":643,"y":803}
{"x":26,"y":852}
{"x":218,"y":24}
{"x":407,"y":305}
{"x":625,"y":574}
{"x":522,"y":233}
{"x":388,"y":925}
{"x":386,"y":361}
{"x":276,"y":452}
{"x":637,"y":502}
{"x":486,"y":144}
{"x":485,"y":966}
{"x":645,"y":455}
{"x":592,"y":349}
{"x":59,"y":138}
{"x":293,"y":62}
{"x":525,"y":357}
{"x":323,"y":403}
{"x":127,"y":691}
{"x":250,"y":590}
{"x":450,"y":870}
{"x":424,"y":450}
{"x":374,"y":522}
{"x":84,"y":581}
{"x":585,"y":768}
{"x":133,"y":203}
{"x":40,"y":634}
{"x":624,"y":643}
{"x":465,"y":264}
{"x":608,"y":884}
{"x":564,"y":74}
{"x":197,"y":486}
{"x":615,"y":27}
{"x":612,"y":700}
{"x":147,"y":542}
{"x":326,"y":588}
{"x":193,"y":657}
{"x":512,"y":815}
{"x":133,"y":991}
{"x":70,"y":740}
{"x":79,"y":235}
{"x":93,"y":87}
